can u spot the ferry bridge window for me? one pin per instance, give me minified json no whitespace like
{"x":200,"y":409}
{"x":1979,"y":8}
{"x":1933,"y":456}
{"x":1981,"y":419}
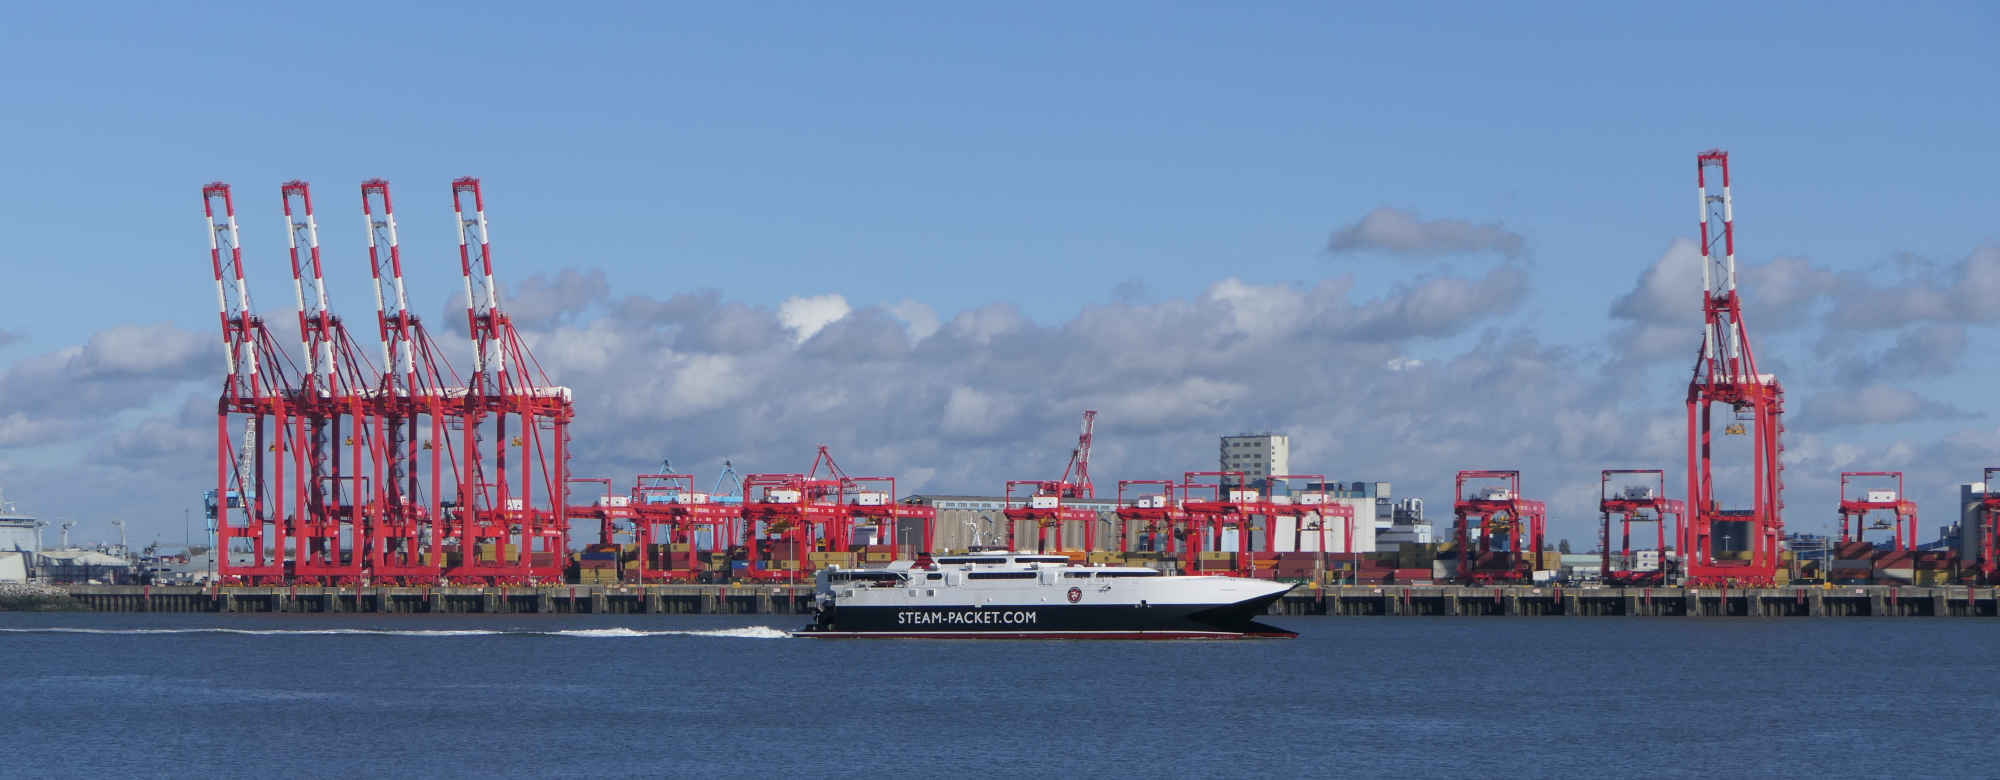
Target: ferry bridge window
{"x":1077,"y":575}
{"x":1001,"y":575}
{"x":1146,"y":573}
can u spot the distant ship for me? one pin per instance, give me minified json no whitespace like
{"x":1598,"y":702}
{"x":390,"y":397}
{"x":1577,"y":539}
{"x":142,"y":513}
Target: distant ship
{"x":1017,"y":595}
{"x":18,"y":532}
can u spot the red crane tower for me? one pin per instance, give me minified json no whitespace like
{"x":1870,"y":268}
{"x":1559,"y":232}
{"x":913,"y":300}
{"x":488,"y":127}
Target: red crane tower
{"x":669,"y":502}
{"x":1628,"y":501}
{"x":1854,"y":510}
{"x":333,"y":416}
{"x":405,"y":542}
{"x":256,"y":391}
{"x":1509,"y":527}
{"x":1043,"y":503}
{"x":1211,"y":507}
{"x":510,"y":524}
{"x":1730,"y":545}
{"x":1152,"y":503}
{"x":780,"y":515}
{"x":1311,"y":510}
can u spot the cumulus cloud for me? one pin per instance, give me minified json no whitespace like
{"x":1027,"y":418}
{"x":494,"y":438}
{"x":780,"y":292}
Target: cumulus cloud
{"x":1399,"y":232}
{"x":1919,"y":351}
{"x":1778,"y":294}
{"x":918,"y":317}
{"x":541,"y":301}
{"x":1442,"y":306}
{"x":1871,"y":405}
{"x":806,"y":316}
{"x":116,"y":368}
{"x":1963,"y":293}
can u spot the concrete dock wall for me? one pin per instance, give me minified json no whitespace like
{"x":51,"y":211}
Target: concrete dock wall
{"x":1386,"y":600}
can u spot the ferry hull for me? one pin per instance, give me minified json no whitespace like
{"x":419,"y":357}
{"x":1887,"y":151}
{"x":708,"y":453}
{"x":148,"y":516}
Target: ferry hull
{"x":1045,"y":621}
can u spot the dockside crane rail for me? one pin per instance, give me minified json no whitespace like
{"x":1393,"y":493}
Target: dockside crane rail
{"x":1733,"y":545}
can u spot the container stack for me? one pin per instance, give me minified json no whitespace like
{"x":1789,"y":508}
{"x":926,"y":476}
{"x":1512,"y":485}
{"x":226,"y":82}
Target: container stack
{"x":598,"y":565}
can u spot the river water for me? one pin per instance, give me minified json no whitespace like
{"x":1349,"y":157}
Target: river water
{"x":648,"y":696}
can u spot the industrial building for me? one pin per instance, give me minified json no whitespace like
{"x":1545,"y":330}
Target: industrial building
{"x":1256,"y":455}
{"x":965,"y":521}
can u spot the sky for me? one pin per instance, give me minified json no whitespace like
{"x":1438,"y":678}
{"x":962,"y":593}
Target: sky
{"x":1417,"y":239}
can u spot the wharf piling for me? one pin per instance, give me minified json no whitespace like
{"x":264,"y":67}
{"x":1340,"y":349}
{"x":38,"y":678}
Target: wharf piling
{"x":1383,"y":600}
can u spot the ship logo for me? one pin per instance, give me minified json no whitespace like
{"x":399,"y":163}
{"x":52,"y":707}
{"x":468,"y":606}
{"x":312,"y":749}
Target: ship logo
{"x":1075,"y":595}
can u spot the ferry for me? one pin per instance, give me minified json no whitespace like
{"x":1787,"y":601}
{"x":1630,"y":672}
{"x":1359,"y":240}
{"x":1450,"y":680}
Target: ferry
{"x":1019,"y":595}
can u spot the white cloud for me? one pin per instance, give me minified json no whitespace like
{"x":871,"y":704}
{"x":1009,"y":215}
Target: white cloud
{"x":1871,"y":405}
{"x":1401,"y":232}
{"x":918,"y":318}
{"x":806,"y":316}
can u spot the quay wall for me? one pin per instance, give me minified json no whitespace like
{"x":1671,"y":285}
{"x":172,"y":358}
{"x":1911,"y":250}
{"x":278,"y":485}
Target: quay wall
{"x":1387,"y":600}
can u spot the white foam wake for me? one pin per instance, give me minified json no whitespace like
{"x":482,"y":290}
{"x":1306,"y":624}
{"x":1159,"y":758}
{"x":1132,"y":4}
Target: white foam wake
{"x":748,"y":632}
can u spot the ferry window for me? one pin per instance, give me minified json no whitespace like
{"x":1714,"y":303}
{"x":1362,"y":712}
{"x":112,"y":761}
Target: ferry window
{"x":1146,"y":573}
{"x":950,"y":561}
{"x":883,"y":577}
{"x":934,"y":576}
{"x":1054,"y":559}
{"x":1001,"y":575}
{"x":1077,"y":575}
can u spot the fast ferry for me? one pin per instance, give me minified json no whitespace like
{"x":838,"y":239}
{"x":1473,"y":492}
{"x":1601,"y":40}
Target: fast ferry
{"x":1017,"y":595}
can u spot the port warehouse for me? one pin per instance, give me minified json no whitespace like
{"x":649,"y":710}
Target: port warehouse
{"x":381,"y":466}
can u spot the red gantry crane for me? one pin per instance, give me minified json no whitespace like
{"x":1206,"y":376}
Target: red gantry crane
{"x":1855,"y":510}
{"x":1212,"y":506}
{"x":669,"y":503}
{"x":1630,"y":496}
{"x":1154,"y":506}
{"x":1725,"y":546}
{"x":1499,"y":533}
{"x":1042,"y":502}
{"x":510,"y":524}
{"x":255,"y":391}
{"x":404,"y":544}
{"x":333,"y":415}
{"x":1311,"y":511}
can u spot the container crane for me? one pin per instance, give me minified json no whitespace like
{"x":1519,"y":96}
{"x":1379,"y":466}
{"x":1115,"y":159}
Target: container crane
{"x":1041,"y":503}
{"x":511,"y":524}
{"x":1629,"y":496}
{"x":1498,"y":533}
{"x":332,"y":415}
{"x":405,"y":543}
{"x":256,"y":391}
{"x":1725,"y":546}
{"x":1856,"y":509}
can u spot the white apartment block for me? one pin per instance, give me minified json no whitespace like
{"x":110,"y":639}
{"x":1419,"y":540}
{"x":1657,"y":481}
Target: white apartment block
{"x":1257,"y":455}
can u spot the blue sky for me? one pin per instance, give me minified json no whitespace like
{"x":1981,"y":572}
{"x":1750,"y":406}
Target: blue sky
{"x":1048,"y":157}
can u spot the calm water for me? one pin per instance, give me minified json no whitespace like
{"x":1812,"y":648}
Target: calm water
{"x":110,"y":695}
